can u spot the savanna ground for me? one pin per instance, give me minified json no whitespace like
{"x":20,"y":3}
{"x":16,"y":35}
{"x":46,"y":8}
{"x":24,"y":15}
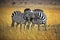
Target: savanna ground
{"x":8,"y":33}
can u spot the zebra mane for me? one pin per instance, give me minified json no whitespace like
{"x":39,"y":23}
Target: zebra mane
{"x":16,"y":13}
{"x":27,"y":9}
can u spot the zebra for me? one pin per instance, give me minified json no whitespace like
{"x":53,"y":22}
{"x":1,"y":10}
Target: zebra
{"x":40,"y":18}
{"x":37,"y":16}
{"x":21,"y":18}
{"x":28,"y":16}
{"x":17,"y":17}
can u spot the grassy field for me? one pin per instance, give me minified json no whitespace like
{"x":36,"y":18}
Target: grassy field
{"x":8,"y":33}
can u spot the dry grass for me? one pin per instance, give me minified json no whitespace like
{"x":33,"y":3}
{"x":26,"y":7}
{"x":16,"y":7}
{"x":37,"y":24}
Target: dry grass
{"x":8,"y":33}
{"x":52,"y":33}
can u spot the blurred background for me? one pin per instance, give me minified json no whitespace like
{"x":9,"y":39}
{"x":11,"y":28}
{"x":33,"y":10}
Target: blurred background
{"x":50,"y":7}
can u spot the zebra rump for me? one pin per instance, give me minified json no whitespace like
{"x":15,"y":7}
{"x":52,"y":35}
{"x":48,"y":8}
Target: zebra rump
{"x":17,"y":17}
{"x":40,"y":18}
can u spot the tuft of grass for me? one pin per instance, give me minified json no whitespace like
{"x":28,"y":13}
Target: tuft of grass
{"x":9,"y":33}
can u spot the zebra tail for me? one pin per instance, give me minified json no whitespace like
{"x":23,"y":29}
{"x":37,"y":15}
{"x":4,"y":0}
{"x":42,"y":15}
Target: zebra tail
{"x":13,"y":14}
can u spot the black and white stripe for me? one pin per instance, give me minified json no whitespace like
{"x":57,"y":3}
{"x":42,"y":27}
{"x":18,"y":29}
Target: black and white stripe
{"x":40,"y":18}
{"x":28,"y":16}
{"x":37,"y":16}
{"x":17,"y":17}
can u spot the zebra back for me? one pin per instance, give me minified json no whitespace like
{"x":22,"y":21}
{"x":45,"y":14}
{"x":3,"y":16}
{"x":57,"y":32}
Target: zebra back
{"x":17,"y":16}
{"x":39,"y":14}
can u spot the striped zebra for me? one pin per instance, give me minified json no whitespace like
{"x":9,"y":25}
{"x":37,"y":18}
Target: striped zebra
{"x":40,"y":18}
{"x":36,"y":16}
{"x":18,"y":17}
{"x":28,"y":16}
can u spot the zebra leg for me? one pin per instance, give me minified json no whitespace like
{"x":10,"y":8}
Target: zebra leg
{"x":24,"y":25}
{"x":38,"y":27}
{"x":12,"y":25}
{"x":45,"y":26}
{"x":28,"y":25}
{"x":32,"y":25}
{"x":20,"y":27}
{"x":17,"y":25}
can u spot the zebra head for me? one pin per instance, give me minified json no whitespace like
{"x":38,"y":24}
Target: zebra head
{"x":27,"y":10}
{"x":27,"y":14}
